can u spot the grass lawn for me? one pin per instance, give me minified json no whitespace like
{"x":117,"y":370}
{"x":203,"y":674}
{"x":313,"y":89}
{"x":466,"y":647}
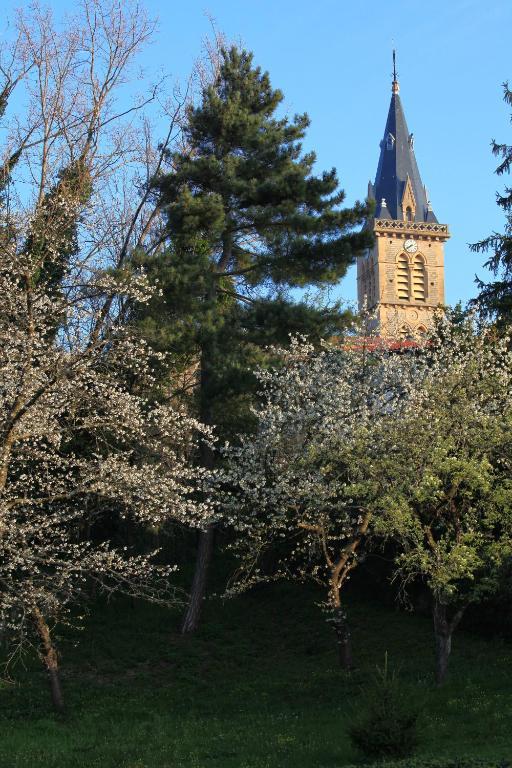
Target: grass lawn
{"x":257,"y":687}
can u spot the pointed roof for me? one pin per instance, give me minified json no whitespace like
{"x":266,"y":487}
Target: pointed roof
{"x":397,"y":172}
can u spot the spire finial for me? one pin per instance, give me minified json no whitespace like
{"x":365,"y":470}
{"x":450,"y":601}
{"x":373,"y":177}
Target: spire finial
{"x":395,"y":88}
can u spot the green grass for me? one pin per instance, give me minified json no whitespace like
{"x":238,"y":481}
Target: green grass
{"x":257,"y":687}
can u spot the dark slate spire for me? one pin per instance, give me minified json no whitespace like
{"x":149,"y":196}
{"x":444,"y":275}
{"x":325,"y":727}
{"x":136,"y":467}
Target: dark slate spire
{"x":397,"y":173}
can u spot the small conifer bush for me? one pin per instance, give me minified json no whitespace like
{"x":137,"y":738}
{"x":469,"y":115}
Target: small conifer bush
{"x":387,"y":724}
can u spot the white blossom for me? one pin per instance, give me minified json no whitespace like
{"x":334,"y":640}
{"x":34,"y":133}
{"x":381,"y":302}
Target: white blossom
{"x":76,"y":438}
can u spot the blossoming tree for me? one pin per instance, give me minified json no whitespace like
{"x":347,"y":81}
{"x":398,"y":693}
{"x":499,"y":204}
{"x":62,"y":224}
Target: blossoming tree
{"x":368,"y":442}
{"x":309,"y":483}
{"x":76,"y":439}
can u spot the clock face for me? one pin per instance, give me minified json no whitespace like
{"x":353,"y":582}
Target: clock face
{"x":411,"y":246}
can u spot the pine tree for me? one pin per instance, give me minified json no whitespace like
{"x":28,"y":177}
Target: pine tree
{"x":247,"y":221}
{"x":495,"y":298}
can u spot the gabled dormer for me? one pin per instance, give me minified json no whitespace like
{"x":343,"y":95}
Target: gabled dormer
{"x":408,"y":203}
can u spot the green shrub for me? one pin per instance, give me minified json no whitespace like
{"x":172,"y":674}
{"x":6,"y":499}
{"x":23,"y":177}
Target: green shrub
{"x":387,"y":724}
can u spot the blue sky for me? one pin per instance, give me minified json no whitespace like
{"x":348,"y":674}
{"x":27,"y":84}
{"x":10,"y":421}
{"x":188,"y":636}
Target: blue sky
{"x":332,"y":59}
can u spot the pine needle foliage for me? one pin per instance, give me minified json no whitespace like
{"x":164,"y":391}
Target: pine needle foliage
{"x":247,"y":221}
{"x":495,"y":297}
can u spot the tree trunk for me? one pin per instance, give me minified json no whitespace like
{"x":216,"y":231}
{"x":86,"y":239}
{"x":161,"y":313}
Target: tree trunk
{"x":207,"y":460}
{"x":205,"y":549}
{"x":198,"y":591}
{"x":344,"y":639}
{"x":443,"y":631}
{"x":443,"y":649}
{"x":340,"y":624}
{"x":50,"y":658}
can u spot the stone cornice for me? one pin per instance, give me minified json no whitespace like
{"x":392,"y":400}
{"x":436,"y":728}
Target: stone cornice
{"x":404,"y":228}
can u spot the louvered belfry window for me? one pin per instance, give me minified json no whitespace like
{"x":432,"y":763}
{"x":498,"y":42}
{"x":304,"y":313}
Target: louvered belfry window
{"x":402,"y":278}
{"x":418,"y":279}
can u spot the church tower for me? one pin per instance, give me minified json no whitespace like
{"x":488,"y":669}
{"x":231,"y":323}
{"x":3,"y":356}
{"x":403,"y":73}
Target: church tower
{"x":402,"y":277}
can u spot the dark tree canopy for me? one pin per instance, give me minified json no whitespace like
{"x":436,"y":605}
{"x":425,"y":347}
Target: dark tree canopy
{"x":495,"y":298}
{"x":248,"y":220}
{"x":245,"y":186}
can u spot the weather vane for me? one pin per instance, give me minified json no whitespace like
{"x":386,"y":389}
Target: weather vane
{"x":395,"y":87}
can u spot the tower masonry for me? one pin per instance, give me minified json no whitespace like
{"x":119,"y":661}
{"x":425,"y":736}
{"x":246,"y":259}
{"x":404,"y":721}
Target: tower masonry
{"x":402,"y":277}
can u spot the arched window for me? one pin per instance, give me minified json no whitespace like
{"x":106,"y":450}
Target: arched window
{"x":418,"y":279}
{"x":390,"y":141}
{"x":408,"y":213}
{"x":402,"y":278}
{"x":421,"y":331}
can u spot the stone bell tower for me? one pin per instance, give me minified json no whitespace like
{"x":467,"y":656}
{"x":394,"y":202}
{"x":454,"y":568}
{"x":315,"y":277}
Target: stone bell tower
{"x":402,"y":277}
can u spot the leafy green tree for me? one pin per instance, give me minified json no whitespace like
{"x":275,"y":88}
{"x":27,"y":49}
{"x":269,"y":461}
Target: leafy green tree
{"x":248,"y":221}
{"x":495,"y":298}
{"x":449,"y":503}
